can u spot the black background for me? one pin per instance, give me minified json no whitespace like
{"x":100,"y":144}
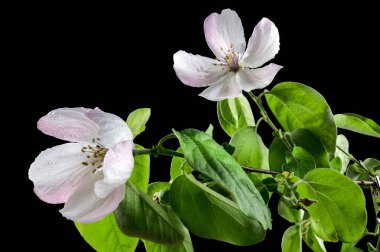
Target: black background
{"x":70,"y":56}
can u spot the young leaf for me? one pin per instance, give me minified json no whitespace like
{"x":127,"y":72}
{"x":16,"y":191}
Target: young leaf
{"x":358,"y":124}
{"x":209,"y":158}
{"x":260,"y":186}
{"x":313,"y":241}
{"x":105,"y":235}
{"x":298,"y":106}
{"x":141,"y":171}
{"x":300,"y":162}
{"x":288,"y":212}
{"x":302,"y":138}
{"x":137,"y":119}
{"x":292,"y":240}
{"x":157,"y":186}
{"x":139,"y":216}
{"x":210,"y":215}
{"x":336,"y":164}
{"x":339,"y":213}
{"x":185,"y":246}
{"x":234,"y":114}
{"x":356,"y":172}
{"x":343,"y":144}
{"x":249,"y":148}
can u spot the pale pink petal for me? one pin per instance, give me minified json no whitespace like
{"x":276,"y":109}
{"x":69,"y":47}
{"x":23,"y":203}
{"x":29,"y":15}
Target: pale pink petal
{"x":57,"y":172}
{"x":85,"y":207}
{"x":117,"y":168}
{"x":196,"y":70}
{"x":223,"y":89}
{"x":263,"y":45}
{"x":224,"y":32}
{"x":70,"y":124}
{"x":112,"y":129}
{"x":250,"y":79}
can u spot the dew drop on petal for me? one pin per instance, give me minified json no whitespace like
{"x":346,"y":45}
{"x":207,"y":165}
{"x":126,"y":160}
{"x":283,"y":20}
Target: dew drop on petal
{"x":50,"y":162}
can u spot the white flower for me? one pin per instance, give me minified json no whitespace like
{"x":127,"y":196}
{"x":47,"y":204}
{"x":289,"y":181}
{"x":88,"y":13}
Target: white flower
{"x":236,"y":66}
{"x":89,"y":174}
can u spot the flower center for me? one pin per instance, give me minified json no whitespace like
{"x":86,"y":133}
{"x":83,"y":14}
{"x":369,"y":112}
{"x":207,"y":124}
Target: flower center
{"x":232,"y":59}
{"x":95,"y":155}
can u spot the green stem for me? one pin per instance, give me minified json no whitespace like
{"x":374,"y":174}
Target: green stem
{"x":165,"y":138}
{"x":266,"y":118}
{"x":263,"y":112}
{"x":351,"y":157}
{"x":156,"y":151}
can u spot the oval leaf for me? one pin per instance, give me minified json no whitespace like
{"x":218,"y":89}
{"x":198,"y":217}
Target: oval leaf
{"x":288,"y":211}
{"x":249,"y":148}
{"x":105,"y":235}
{"x":313,"y":241}
{"x":210,"y":215}
{"x":141,"y":171}
{"x":302,"y":138}
{"x":358,"y":124}
{"x":209,"y":158}
{"x":137,"y":119}
{"x":139,"y":216}
{"x":292,"y":240}
{"x":298,"y":106}
{"x":339,"y":213}
{"x":300,"y":162}
{"x":343,"y":144}
{"x":186,"y":246}
{"x":234,"y":114}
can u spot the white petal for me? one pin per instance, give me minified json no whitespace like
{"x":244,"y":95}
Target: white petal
{"x":57,"y":172}
{"x":113,"y":129}
{"x":263,"y":45}
{"x":70,"y":124}
{"x":224,"y":32}
{"x":196,"y":70}
{"x":223,"y":89}
{"x":117,"y":168}
{"x":251,"y":79}
{"x":85,"y":207}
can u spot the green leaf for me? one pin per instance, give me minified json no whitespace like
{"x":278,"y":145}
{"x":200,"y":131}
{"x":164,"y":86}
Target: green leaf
{"x":210,"y":215}
{"x":371,"y":248}
{"x":157,"y":186}
{"x":356,"y":172}
{"x":186,"y":246}
{"x":176,"y":166}
{"x":234,"y":114}
{"x":358,"y":124}
{"x":336,"y":164}
{"x":141,"y":171}
{"x":249,"y":148}
{"x":288,"y":212}
{"x":342,"y":142}
{"x":300,"y":162}
{"x":313,"y":241}
{"x":209,"y":158}
{"x":302,"y":138}
{"x":260,"y":186}
{"x":339,"y":213}
{"x":298,"y":106}
{"x":139,"y":216}
{"x":137,"y":119}
{"x":210,"y":130}
{"x":159,"y":192}
{"x":349,"y":247}
{"x":292,"y":240}
{"x":105,"y":235}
